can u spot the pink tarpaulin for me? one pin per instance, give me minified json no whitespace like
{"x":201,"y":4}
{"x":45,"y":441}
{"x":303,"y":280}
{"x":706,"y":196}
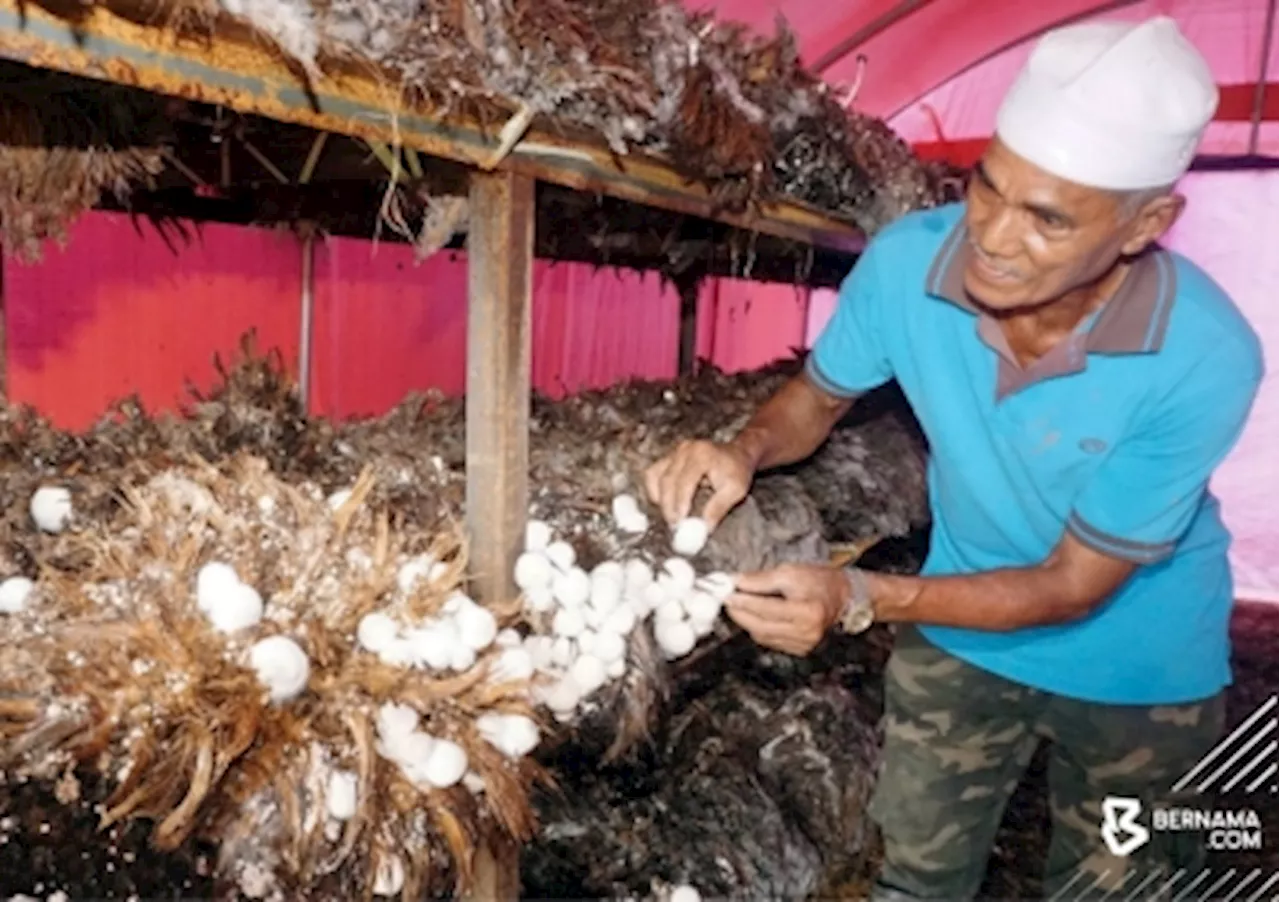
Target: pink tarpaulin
{"x":385,"y":327}
{"x":118,"y":313}
{"x":1231,"y":229}
{"x":895,"y":53}
{"x":1228,"y":32}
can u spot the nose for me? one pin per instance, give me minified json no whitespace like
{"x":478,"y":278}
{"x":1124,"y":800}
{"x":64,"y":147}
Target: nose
{"x":996,"y":233}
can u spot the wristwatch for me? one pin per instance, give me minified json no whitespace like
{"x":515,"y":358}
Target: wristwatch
{"x":858,"y":613}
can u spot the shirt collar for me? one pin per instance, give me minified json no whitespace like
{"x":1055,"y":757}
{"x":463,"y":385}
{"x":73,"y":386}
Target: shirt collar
{"x":1134,"y":321}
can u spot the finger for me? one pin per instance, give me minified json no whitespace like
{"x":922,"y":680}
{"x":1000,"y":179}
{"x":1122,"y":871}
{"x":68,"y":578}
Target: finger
{"x":771,"y":610}
{"x":762,"y":582}
{"x":653,"y":479}
{"x":725,"y":499}
{"x":762,"y":630}
{"x":689,"y":473}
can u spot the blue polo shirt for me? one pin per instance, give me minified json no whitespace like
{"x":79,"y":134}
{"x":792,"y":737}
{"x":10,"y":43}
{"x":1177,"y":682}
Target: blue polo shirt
{"x":1112,"y":436}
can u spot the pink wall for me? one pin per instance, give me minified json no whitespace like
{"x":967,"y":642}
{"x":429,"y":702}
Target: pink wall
{"x":116,"y":313}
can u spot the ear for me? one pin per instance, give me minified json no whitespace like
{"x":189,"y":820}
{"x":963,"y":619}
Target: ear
{"x":1151,"y":222}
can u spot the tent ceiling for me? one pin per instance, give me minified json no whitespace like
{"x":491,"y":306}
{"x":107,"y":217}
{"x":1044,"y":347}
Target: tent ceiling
{"x":900,"y":50}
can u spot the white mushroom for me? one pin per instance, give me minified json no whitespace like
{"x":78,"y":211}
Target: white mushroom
{"x":670,"y":611}
{"x":702,"y":606}
{"x":507,"y":638}
{"x":562,"y":652}
{"x":445,"y":765}
{"x":389,"y":876}
{"x":636,"y":574}
{"x":540,"y":600}
{"x":395,"y":720}
{"x":399,"y":653}
{"x":281,"y":665}
{"x":678,"y":574}
{"x":685,"y":893}
{"x":14,"y":593}
{"x":513,"y":664}
{"x":464,"y":657}
{"x":414,"y":569}
{"x":589,"y":673}
{"x":376,"y":631}
{"x":564,"y":695}
{"x":477,"y":626}
{"x":51,"y":508}
{"x":533,"y":570}
{"x":537,"y":535}
{"x":718,"y":585}
{"x":616,"y":669}
{"x":562,"y":555}
{"x":339,"y":498}
{"x":610,"y":647}
{"x":433,"y":643}
{"x":621,"y":621}
{"x":675,"y":637}
{"x":690,"y":536}
{"x":214,"y":581}
{"x":572,"y":588}
{"x":512,"y":734}
{"x":239,"y":608}
{"x":341,"y":799}
{"x":568,"y":622}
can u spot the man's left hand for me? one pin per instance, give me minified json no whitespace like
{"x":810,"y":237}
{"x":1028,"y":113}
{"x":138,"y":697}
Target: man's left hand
{"x":812,"y":598}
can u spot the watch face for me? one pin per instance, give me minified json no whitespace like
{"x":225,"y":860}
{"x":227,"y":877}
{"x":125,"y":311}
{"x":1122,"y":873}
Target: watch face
{"x":859,"y":619}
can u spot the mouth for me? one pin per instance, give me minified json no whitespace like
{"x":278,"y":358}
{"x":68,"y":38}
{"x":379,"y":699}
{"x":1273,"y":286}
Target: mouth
{"x":990,"y":271}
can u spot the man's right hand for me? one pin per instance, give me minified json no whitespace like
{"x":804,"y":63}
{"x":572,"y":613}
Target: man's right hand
{"x":673,"y":481}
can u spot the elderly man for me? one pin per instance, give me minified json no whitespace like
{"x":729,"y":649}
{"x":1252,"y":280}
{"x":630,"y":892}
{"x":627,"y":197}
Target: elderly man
{"x":1078,"y":386}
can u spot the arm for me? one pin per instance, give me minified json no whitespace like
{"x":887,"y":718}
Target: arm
{"x":1069,"y":584}
{"x":790,"y":425}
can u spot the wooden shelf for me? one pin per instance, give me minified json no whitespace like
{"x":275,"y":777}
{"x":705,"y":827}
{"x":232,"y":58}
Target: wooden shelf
{"x":236,"y":70}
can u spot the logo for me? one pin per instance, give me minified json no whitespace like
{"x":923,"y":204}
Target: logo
{"x":1244,"y":761}
{"x":1120,"y":828}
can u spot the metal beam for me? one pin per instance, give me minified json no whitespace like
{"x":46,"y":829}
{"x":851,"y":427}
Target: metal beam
{"x":234,"y":69}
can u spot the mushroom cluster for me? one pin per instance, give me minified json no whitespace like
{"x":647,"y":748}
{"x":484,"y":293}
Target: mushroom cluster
{"x":583,"y":621}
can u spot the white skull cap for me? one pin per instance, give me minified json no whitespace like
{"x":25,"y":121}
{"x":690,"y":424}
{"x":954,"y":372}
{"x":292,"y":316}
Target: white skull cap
{"x":1115,"y":105}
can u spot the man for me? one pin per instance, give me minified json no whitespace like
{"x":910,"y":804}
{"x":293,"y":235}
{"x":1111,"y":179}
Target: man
{"x":1078,"y":386}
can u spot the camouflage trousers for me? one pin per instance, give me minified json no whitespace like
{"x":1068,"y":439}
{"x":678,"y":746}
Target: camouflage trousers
{"x":957,"y":741}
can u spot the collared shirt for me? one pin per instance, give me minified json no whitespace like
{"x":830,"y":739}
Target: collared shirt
{"x":1112,"y":436}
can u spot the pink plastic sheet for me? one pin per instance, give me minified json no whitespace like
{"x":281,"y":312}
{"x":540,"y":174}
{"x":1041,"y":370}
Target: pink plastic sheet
{"x":1228,"y":32}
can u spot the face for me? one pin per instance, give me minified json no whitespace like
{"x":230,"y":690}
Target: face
{"x":1037,"y":237}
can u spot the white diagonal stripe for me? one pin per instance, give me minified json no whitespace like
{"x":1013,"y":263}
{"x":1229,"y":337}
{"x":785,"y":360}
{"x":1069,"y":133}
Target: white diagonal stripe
{"x":1240,"y":774}
{"x":1121,"y":885}
{"x":1066,"y":886}
{"x":1094,"y":885}
{"x":1137,"y":889}
{"x":1248,"y":878}
{"x":1221,"y":880}
{"x":1169,"y":884}
{"x":1266,"y":886}
{"x":1262,"y":734}
{"x":1269,"y":772}
{"x":1190,"y":886}
{"x":1218,"y":749}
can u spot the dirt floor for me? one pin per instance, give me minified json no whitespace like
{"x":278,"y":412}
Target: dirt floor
{"x":47,"y":848}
